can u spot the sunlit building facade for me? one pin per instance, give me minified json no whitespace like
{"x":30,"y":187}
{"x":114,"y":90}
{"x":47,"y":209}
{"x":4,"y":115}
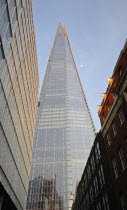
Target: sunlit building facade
{"x":64,"y":132}
{"x":18,"y":100}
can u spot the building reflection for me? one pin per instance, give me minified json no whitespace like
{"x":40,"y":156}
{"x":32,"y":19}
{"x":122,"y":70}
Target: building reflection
{"x":43,"y":195}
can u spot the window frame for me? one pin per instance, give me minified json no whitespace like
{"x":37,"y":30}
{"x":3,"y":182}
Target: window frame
{"x":114,"y":128}
{"x":105,"y":202}
{"x":122,"y":159}
{"x":1,"y":50}
{"x":109,"y":139}
{"x":115,"y":168}
{"x":121,"y":116}
{"x":122,"y":201}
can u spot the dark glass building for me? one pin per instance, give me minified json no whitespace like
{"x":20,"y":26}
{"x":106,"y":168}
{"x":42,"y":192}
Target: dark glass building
{"x":64,"y":132}
{"x":18,"y":100}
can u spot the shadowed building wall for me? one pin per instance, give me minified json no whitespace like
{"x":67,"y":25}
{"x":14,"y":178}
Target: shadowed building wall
{"x":18,"y":100}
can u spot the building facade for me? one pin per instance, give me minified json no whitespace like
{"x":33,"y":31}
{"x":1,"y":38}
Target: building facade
{"x":64,"y":131}
{"x":18,"y":100}
{"x":113,"y":117}
{"x":94,"y":191}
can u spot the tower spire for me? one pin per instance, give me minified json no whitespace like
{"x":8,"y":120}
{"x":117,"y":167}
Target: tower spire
{"x":64,"y":129}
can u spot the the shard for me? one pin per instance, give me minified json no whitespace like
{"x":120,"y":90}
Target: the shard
{"x":64,"y":132}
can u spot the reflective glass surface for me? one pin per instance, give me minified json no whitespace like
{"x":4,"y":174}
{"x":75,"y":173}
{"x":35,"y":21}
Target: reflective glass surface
{"x":64,"y":132}
{"x":18,"y":98}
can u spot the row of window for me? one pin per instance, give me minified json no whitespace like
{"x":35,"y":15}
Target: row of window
{"x":122,"y":201}
{"x":102,"y":204}
{"x":122,"y":161}
{"x":114,"y":127}
{"x":8,"y":17}
{"x":93,"y":191}
{"x":91,"y":166}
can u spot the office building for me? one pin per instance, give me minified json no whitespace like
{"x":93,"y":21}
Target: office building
{"x":64,"y":131}
{"x":18,"y":100}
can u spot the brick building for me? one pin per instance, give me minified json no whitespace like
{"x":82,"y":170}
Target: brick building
{"x":105,"y":187}
{"x":113,"y":117}
{"x":95,"y":189}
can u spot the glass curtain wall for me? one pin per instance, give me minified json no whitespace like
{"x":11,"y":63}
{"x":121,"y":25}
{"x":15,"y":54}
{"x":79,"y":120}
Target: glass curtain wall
{"x":19,"y":82}
{"x":64,"y":132}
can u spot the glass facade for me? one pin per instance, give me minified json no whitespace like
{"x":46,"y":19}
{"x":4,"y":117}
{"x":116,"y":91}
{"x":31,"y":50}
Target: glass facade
{"x":18,"y":99}
{"x":64,"y":132}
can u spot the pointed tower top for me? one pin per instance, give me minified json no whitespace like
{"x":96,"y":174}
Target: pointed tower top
{"x":65,"y":32}
{"x":62,"y":28}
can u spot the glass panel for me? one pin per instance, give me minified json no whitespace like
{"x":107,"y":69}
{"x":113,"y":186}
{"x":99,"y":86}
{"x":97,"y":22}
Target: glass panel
{"x":122,"y":159}
{"x":1,"y":52}
{"x":108,"y":139}
{"x":64,"y":131}
{"x":4,"y":20}
{"x":2,"y":3}
{"x":114,"y":128}
{"x":121,"y":116}
{"x":19,"y":6}
{"x":8,"y":32}
{"x":114,"y":163}
{"x":14,"y":17}
{"x":11,"y":6}
{"x":123,"y":203}
{"x":105,"y":202}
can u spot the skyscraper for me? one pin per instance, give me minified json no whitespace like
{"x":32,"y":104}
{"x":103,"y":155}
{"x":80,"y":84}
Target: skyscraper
{"x":18,"y":100}
{"x":64,"y":132}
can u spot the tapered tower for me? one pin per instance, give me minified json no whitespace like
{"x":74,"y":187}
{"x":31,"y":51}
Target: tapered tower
{"x":64,"y":132}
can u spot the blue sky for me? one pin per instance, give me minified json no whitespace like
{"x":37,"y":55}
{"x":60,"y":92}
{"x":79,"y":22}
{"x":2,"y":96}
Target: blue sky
{"x":97,"y":31}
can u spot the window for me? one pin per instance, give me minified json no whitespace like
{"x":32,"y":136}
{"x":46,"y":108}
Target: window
{"x":126,"y":139}
{"x":98,"y":206}
{"x":95,"y":185}
{"x":11,"y":6}
{"x":114,"y":128}
{"x":121,"y":116}
{"x":2,"y":2}
{"x":120,"y":70}
{"x":14,"y":18}
{"x":91,"y":194}
{"x":97,"y":152}
{"x":12,"y":11}
{"x":19,"y":6}
{"x":114,"y":163}
{"x":108,"y":105}
{"x":89,"y":172}
{"x":85,"y":181}
{"x":101,"y":176}
{"x":92,"y":163}
{"x":87,"y":200}
{"x":122,"y":159}
{"x":108,"y":139}
{"x":84,"y":203}
{"x":122,"y":201}
{"x":105,"y":202}
{"x":5,"y":29}
{"x":1,"y":52}
{"x":8,"y":32}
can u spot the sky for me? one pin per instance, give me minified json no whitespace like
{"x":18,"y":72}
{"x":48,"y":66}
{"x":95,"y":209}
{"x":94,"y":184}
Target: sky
{"x":97,"y":31}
